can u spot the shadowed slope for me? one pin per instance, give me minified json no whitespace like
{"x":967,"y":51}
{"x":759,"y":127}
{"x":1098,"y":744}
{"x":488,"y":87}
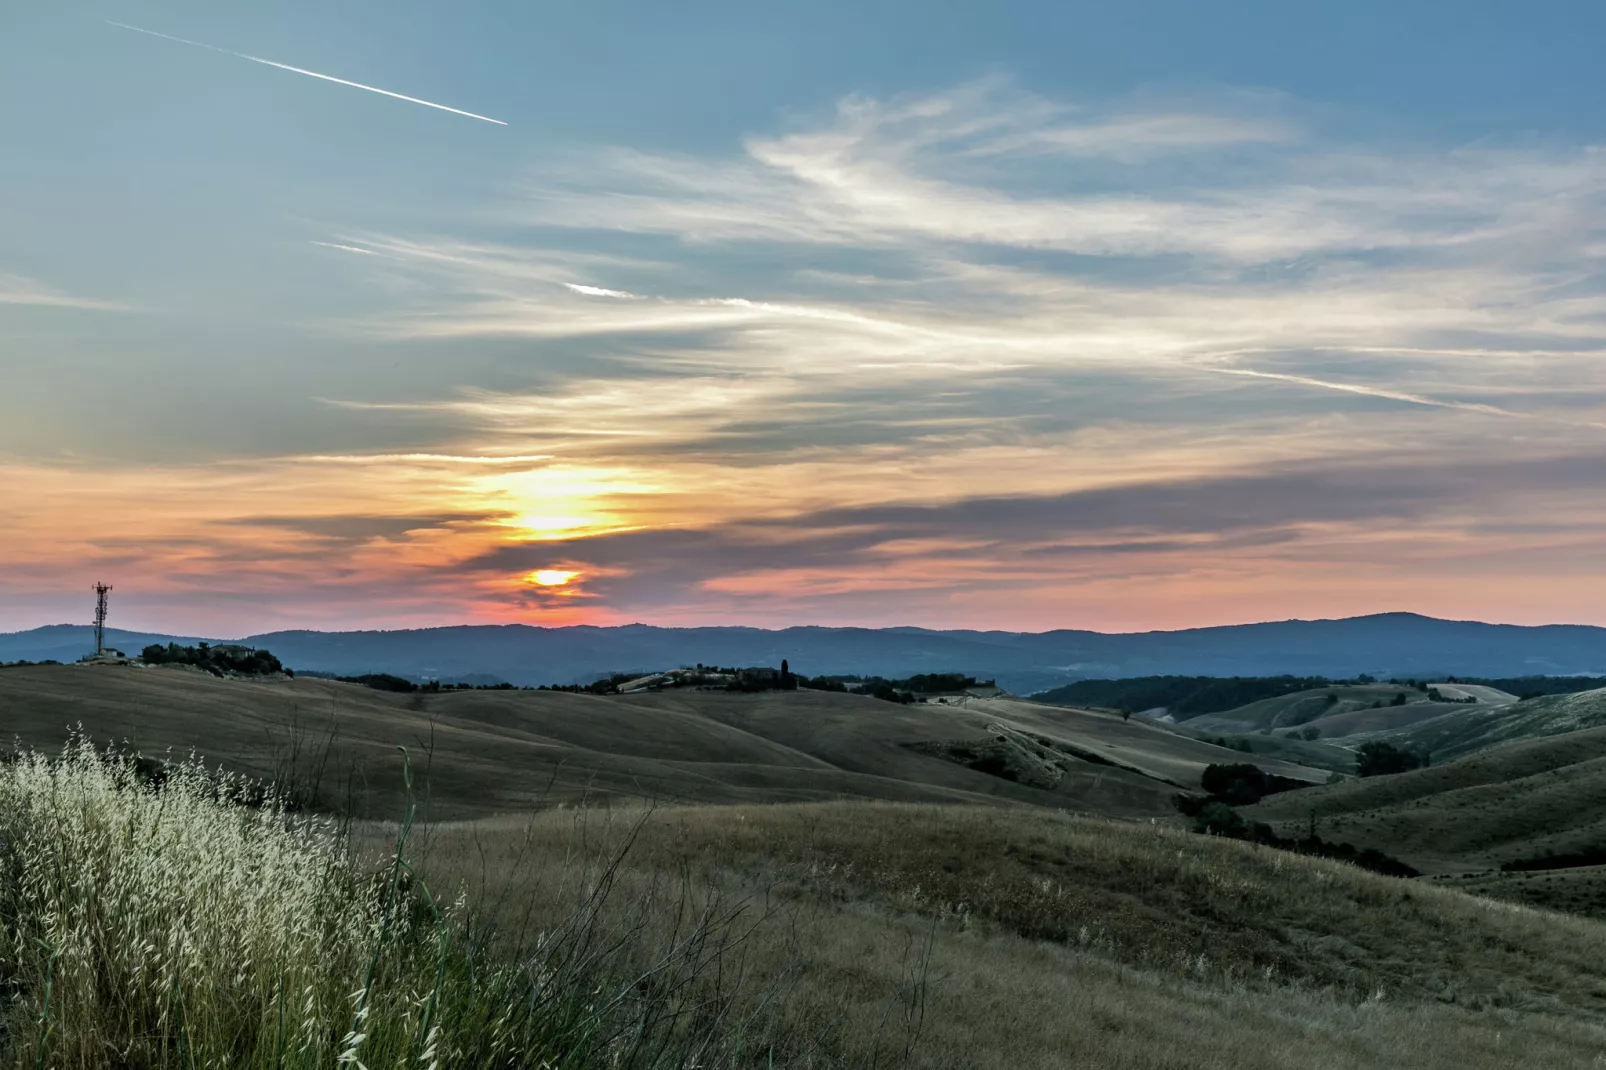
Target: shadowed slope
{"x":1498,"y":805}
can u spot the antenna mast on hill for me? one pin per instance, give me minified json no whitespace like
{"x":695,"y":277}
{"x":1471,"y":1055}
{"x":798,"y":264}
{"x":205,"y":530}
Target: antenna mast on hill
{"x":101,"y":591}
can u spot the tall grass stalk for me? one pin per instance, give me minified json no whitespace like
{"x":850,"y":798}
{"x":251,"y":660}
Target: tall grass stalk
{"x":162,"y":922}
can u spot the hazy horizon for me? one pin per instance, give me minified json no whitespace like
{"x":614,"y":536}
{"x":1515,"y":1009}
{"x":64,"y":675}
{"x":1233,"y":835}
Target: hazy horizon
{"x":1023,"y":318}
{"x":137,"y":627}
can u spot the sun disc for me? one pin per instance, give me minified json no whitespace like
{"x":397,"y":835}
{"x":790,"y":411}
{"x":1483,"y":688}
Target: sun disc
{"x":552,"y":577}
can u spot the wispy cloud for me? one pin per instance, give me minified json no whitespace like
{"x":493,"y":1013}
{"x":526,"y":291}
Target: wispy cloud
{"x":600,"y":291}
{"x":19,"y":290}
{"x":310,"y":74}
{"x":1369,"y":391}
{"x":359,"y":250}
{"x":926,"y":298}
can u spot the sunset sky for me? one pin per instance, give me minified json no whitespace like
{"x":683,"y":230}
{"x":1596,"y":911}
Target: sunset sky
{"x":1118,"y":316}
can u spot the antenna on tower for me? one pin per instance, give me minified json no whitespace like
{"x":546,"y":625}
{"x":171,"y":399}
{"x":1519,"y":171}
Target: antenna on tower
{"x":101,"y":591}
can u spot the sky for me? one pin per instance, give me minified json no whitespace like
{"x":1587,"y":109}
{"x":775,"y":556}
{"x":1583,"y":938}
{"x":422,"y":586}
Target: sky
{"x":1016,"y":315}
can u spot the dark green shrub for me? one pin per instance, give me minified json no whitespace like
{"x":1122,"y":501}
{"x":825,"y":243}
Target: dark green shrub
{"x":1219,"y":819}
{"x":1242,"y":784}
{"x":1380,"y":759}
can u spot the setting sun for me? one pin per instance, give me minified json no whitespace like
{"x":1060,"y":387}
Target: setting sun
{"x":552,"y":577}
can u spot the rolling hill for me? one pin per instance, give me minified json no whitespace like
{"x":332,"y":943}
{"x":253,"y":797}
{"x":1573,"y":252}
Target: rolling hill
{"x":1335,"y":757}
{"x":1513,"y":784}
{"x":495,"y":751}
{"x":1323,"y":707}
{"x":1463,"y":730}
{"x":992,"y":938}
{"x":1506,"y":803}
{"x":993,"y":931}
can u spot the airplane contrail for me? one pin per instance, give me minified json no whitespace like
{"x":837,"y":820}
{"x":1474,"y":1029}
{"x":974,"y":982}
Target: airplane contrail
{"x":310,"y":74}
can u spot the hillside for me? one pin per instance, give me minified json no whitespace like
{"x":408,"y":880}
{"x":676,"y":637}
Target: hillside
{"x":1465,"y":729}
{"x":1318,"y":706}
{"x":1509,"y":802}
{"x":966,"y":937}
{"x":1255,"y":747}
{"x":1580,"y":890}
{"x":870,"y":927}
{"x":1387,"y":645}
{"x":500,"y":751}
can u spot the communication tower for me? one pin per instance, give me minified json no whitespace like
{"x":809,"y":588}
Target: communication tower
{"x":101,"y":591}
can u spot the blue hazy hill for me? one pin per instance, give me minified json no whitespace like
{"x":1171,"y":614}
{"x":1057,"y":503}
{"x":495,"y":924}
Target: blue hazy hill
{"x":1384,"y":645}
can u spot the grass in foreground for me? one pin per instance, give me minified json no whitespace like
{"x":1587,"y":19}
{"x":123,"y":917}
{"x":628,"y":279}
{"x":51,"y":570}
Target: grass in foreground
{"x":161,"y":922}
{"x":175,"y":927}
{"x":970,"y":937}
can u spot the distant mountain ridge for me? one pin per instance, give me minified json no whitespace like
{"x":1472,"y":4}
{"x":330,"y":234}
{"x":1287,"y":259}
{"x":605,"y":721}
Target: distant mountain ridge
{"x":1384,"y":645}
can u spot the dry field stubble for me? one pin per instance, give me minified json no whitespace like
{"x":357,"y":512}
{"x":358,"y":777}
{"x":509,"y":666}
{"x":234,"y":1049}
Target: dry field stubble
{"x":940,"y":936}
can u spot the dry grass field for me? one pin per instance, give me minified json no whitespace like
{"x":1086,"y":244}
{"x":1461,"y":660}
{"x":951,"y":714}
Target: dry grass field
{"x":1580,"y":890}
{"x":855,"y":892}
{"x":942,"y":936}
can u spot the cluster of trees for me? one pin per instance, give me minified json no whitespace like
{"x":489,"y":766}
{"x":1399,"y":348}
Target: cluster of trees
{"x":874,"y":686}
{"x":384,"y":681}
{"x":1192,"y":696}
{"x":1433,"y":693}
{"x":889,"y":693}
{"x":1218,"y":819}
{"x":907,"y":690}
{"x":784,"y":679}
{"x":937,"y":683}
{"x":222,"y":660}
{"x":1243,"y":784}
{"x":1380,"y":759}
{"x":1526,"y":687}
{"x":606,"y":686}
{"x":1240,"y":743}
{"x":1589,"y":856}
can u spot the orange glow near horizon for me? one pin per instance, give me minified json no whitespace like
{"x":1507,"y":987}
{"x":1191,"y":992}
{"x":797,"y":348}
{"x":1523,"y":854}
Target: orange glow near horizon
{"x":552,"y":577}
